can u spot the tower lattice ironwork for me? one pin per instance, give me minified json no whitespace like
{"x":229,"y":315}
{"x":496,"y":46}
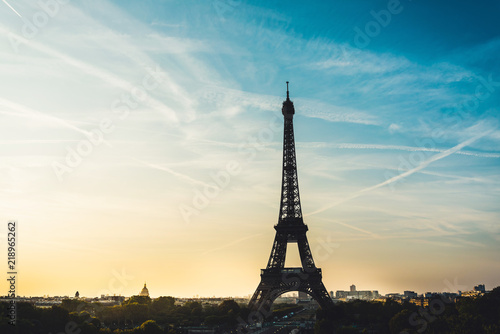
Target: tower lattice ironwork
{"x":276,"y":279}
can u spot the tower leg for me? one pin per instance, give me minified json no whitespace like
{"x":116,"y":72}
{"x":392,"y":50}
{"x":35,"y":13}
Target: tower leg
{"x":273,"y":284}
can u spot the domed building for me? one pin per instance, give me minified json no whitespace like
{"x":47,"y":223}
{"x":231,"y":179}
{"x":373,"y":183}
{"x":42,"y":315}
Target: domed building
{"x":144,"y":291}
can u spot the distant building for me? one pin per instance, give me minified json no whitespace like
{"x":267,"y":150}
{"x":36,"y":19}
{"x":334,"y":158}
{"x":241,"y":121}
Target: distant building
{"x":144,"y":291}
{"x":410,"y":294}
{"x":309,"y":304}
{"x":110,"y":300}
{"x":354,"y":294}
{"x":449,"y":296}
{"x":77,"y":294}
{"x":480,"y":288}
{"x":394,"y":295}
{"x":303,"y":296}
{"x":423,"y":302}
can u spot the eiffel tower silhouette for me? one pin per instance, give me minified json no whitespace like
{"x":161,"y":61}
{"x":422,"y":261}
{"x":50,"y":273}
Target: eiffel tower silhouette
{"x":276,"y":279}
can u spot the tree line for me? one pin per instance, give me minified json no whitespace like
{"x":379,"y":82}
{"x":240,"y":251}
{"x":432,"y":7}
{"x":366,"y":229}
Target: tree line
{"x":141,"y":315}
{"x":137,"y":315}
{"x":479,"y":315}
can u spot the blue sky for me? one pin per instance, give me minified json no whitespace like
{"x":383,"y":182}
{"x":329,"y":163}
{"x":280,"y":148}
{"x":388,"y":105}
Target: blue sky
{"x":118,"y":118}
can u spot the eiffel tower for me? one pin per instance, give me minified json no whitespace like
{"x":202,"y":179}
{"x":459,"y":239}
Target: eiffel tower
{"x":276,"y":279}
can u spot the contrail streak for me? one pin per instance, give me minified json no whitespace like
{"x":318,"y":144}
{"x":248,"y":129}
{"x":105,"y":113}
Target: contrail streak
{"x":176,"y":174}
{"x":393,"y":147}
{"x":15,"y":11}
{"x":230,"y":244}
{"x":405,"y":174}
{"x":24,"y":111}
{"x":374,"y":235}
{"x":97,"y":72}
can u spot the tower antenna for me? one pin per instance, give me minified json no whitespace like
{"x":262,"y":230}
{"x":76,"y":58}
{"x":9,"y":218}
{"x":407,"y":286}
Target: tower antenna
{"x":287,"y":94}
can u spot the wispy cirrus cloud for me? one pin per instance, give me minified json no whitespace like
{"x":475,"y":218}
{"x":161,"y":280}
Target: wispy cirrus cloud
{"x":358,"y":111}
{"x":407,"y":173}
{"x":90,"y":69}
{"x":178,"y":175}
{"x":27,"y":112}
{"x":394,"y":148}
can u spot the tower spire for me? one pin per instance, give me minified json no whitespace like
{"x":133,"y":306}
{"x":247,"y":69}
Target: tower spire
{"x":288,"y":110}
{"x":290,"y":208}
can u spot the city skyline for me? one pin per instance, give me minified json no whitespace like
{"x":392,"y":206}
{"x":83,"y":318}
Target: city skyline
{"x":293,"y":294}
{"x":143,"y":142}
